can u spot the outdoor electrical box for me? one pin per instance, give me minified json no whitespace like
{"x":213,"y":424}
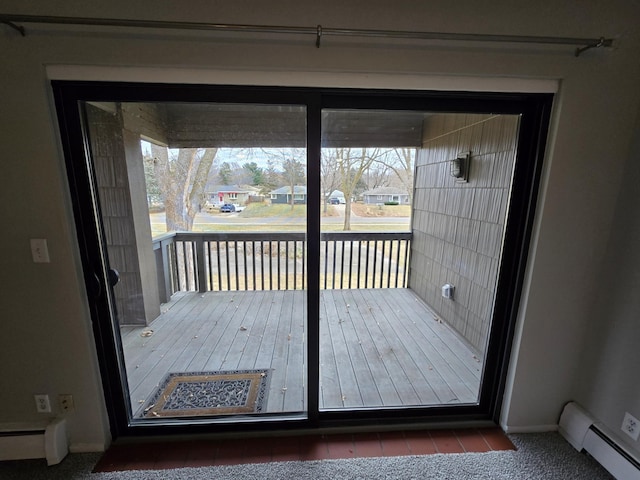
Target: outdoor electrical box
{"x":447,"y":291}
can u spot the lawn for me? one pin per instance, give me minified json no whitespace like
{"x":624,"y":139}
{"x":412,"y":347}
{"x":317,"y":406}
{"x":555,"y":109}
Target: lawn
{"x":264,"y":210}
{"x":364,"y":210}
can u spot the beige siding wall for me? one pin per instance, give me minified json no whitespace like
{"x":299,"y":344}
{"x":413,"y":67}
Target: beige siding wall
{"x":458,"y":227}
{"x":120,"y":177}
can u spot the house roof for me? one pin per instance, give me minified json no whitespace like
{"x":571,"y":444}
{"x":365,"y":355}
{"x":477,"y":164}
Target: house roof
{"x":298,"y":189}
{"x":233,"y":189}
{"x":385,"y":191}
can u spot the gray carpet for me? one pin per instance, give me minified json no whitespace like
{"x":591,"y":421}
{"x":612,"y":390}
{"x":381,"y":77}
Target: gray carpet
{"x":539,"y":457}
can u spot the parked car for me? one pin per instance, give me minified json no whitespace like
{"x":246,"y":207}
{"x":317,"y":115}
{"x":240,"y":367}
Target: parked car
{"x":238,"y":207}
{"x":334,"y":201}
{"x":227,"y":208}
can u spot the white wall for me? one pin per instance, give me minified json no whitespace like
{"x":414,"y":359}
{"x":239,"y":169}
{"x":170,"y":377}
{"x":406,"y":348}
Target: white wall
{"x":608,"y":385}
{"x":46,"y":345}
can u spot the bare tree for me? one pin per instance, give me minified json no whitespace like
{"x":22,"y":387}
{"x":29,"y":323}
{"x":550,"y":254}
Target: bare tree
{"x":293,"y":173}
{"x":352,"y":163}
{"x":329,"y":175}
{"x":182,"y":177}
{"x":401,"y":161}
{"x":378,"y":176}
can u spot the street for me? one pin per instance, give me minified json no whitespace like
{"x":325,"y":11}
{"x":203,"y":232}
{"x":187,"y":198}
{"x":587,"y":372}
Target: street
{"x":206,"y":221}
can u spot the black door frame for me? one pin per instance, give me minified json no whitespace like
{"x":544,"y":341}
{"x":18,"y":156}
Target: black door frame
{"x":534,"y":110}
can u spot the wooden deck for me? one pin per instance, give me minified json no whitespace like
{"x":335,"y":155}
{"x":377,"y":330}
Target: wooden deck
{"x":378,"y":347}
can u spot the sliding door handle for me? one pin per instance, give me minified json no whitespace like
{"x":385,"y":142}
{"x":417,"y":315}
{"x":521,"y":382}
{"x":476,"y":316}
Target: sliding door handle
{"x":114,"y":277}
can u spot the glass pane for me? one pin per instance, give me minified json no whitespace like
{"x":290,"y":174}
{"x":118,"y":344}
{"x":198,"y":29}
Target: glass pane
{"x":204,"y":213}
{"x":413,"y":221}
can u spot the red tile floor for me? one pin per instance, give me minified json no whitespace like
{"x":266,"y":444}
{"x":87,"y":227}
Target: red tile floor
{"x":199,"y":453}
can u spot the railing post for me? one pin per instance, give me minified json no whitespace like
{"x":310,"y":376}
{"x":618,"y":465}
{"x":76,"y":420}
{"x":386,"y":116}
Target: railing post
{"x":201,"y":276}
{"x":166,"y":268}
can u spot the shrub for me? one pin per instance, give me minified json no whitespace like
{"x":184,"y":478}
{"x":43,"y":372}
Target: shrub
{"x":392,"y":203}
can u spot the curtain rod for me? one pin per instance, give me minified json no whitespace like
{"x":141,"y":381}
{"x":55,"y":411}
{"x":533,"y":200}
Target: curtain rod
{"x":318,"y":31}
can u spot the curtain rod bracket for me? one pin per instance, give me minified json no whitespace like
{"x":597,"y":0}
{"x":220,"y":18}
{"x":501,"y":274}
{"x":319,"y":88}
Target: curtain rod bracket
{"x":602,"y":42}
{"x":318,"y":35}
{"x":16,"y":27}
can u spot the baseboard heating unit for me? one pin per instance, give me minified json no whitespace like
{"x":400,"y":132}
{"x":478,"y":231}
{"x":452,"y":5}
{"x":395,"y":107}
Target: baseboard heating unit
{"x":583,"y":433}
{"x":21,"y":442}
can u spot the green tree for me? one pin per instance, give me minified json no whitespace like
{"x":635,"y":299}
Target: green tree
{"x":255,"y":172}
{"x":271,"y":178}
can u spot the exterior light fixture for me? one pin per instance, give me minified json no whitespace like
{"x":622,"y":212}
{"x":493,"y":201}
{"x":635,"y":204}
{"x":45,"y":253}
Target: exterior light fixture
{"x":459,"y":167}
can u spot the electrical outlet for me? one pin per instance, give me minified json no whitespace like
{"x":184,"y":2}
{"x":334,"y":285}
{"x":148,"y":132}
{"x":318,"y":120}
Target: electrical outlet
{"x":42,"y":403}
{"x":39,"y":250}
{"x":631,"y":426}
{"x":66,"y":403}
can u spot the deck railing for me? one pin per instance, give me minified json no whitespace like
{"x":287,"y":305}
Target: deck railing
{"x":209,"y":261}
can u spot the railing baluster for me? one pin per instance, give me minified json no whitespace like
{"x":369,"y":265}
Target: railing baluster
{"x":405,"y":276}
{"x":262,"y":265}
{"x":176,"y":273}
{"x":244,"y":255}
{"x":167,"y":269}
{"x":375,"y":262}
{"x":219,"y":267}
{"x":184,"y":266}
{"x":199,"y":259}
{"x":366,"y":268}
{"x":342,"y":265}
{"x":253,"y":263}
{"x":359,"y":261}
{"x":384,"y":243}
{"x":194,"y":265}
{"x":389,"y":263}
{"x":278,"y":259}
{"x":295,"y":264}
{"x":326,"y":261}
{"x":334,"y":244}
{"x":270,"y":265}
{"x":350,"y":262}
{"x":399,"y":247}
{"x":235,"y":255}
{"x":226,"y":255}
{"x":210,"y":264}
{"x":304,"y":256}
{"x":286,"y":265}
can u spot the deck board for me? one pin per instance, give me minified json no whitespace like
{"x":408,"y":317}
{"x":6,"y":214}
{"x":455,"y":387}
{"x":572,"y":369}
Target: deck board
{"x":378,"y":348}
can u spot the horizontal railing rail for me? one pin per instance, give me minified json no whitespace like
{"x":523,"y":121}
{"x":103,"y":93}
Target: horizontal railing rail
{"x":224,"y":261}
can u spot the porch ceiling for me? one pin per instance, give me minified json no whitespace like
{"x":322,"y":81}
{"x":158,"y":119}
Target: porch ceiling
{"x":209,"y":125}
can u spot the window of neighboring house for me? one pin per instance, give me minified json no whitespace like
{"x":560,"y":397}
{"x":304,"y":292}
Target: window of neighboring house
{"x":380,"y":197}
{"x":274,"y":196}
{"x":233,"y":196}
{"x":298,"y":196}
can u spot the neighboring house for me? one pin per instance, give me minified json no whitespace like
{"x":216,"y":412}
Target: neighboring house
{"x":283,"y":195}
{"x":386,"y":194}
{"x":231,"y":194}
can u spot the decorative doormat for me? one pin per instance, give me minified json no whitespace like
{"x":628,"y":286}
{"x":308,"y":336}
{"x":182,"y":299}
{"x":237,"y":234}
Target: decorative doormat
{"x":209,"y":393}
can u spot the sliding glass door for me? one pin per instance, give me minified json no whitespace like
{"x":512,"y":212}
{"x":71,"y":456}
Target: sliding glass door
{"x":299,"y":257}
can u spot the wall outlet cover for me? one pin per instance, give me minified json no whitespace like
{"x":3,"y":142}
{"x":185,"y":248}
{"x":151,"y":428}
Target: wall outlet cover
{"x":631,"y":426}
